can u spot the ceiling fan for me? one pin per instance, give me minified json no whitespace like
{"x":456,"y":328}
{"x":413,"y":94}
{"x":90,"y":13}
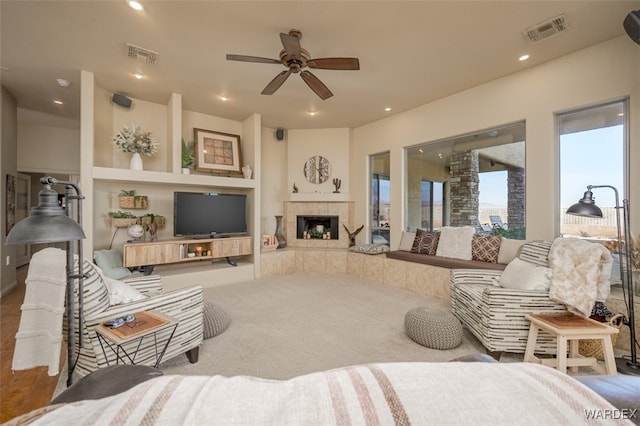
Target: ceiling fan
{"x":295,"y":58}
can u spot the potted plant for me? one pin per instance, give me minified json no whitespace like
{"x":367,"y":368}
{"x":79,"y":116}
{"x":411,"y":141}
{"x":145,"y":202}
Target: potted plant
{"x":133,"y":140}
{"x":122,"y":219}
{"x":129,"y":200}
{"x":187,"y":156}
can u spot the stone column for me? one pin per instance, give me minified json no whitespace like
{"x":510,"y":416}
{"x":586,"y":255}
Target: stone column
{"x":516,"y":198}
{"x":463,"y":188}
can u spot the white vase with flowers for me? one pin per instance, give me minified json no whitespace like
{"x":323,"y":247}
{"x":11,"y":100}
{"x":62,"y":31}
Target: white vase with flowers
{"x":133,"y":140}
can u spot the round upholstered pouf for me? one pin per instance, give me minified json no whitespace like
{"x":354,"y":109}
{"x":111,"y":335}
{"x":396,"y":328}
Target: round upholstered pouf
{"x":433,"y":328}
{"x":216,"y":319}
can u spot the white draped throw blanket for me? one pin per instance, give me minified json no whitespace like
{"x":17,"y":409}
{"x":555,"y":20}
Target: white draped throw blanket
{"x":40,"y":332}
{"x":581,"y":273}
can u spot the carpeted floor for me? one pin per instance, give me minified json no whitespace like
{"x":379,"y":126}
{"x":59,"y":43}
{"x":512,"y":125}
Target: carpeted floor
{"x":285,"y":326}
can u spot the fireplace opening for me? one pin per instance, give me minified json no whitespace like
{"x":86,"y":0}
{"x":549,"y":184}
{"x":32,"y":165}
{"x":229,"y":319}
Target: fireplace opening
{"x":317,"y":227}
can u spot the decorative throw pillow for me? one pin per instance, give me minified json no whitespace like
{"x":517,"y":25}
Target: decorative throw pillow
{"x":110,"y":261}
{"x":425,"y":242}
{"x":523,"y":275}
{"x":536,"y":252}
{"x":509,"y":250}
{"x":120,"y":292}
{"x":406,"y":241}
{"x":370,"y":248}
{"x":485,"y":247}
{"x":455,"y":242}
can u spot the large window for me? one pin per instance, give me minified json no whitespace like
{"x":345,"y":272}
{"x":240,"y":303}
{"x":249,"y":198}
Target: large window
{"x":592,"y":152}
{"x":380,"y":218}
{"x":476,"y":179}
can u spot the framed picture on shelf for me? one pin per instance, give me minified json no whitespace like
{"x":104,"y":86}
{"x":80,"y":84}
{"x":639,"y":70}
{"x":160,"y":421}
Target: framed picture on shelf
{"x":217,"y":152}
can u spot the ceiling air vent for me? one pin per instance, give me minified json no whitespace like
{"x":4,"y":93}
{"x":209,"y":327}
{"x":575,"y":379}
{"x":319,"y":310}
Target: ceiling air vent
{"x":141,"y":54}
{"x":546,"y":29}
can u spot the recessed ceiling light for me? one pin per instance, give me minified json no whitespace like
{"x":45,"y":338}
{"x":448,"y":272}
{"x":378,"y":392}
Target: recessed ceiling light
{"x":523,"y":58}
{"x":138,"y":75}
{"x":421,"y":150}
{"x":135,"y":5}
{"x":63,"y":82}
{"x":58,"y":102}
{"x":312,"y":113}
{"x":223,"y":98}
{"x":387,"y":109}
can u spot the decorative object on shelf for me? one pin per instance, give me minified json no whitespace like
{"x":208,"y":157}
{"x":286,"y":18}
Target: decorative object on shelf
{"x":337,"y":183}
{"x":269,"y":243}
{"x":217,"y":152}
{"x":128,"y":199}
{"x":136,"y":232}
{"x":317,"y":169}
{"x":188,"y":159}
{"x":136,"y":162}
{"x":122,"y":219}
{"x":352,"y":235}
{"x":247,"y":172}
{"x":150,"y":218}
{"x":282,"y":242}
{"x":295,"y":188}
{"x":131,"y":139}
{"x":586,"y":206}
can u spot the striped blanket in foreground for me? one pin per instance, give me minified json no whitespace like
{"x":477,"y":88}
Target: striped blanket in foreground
{"x":378,"y":394}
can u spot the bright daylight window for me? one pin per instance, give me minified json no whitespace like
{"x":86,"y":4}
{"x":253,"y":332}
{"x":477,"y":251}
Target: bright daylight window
{"x":380,"y":208}
{"x":592,"y":152}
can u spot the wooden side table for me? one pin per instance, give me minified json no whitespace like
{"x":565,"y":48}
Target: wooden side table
{"x":146,"y":324}
{"x":567,"y":327}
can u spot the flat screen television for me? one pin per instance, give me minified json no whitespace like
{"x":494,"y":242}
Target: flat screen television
{"x":209,"y":214}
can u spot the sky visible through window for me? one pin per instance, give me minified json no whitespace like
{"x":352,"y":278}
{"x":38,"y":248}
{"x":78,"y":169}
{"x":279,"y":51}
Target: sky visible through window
{"x":593,"y":157}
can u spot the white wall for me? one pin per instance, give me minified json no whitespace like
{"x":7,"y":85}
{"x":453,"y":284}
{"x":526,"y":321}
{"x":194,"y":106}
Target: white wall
{"x":606,"y":71}
{"x":333,"y":144}
{"x":48,"y":144}
{"x":274,"y":172}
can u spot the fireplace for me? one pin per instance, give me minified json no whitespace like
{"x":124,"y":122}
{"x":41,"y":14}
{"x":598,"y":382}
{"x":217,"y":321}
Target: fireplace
{"x":317,"y":227}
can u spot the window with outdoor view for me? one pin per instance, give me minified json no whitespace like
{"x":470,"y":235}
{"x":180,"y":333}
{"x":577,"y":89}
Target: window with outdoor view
{"x":592,"y":144}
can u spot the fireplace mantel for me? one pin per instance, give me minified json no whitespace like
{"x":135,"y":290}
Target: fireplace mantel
{"x":319,"y":197}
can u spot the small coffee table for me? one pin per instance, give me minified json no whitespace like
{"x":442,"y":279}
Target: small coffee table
{"x":567,"y":327}
{"x":122,"y":340}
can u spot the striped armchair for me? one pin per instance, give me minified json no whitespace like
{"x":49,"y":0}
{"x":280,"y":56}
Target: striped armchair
{"x":495,"y":315}
{"x":186,"y":305}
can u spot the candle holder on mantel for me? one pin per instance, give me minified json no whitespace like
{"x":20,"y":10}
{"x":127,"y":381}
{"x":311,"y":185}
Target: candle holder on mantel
{"x":282,"y":242}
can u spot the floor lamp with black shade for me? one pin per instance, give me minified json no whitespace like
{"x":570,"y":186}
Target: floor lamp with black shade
{"x":49,"y":222}
{"x":587,"y":207}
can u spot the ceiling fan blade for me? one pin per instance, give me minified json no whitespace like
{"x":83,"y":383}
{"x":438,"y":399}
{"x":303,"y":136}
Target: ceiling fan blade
{"x":291,"y":45}
{"x":244,"y":58}
{"x":316,"y":85}
{"x":334,"y":63}
{"x":276,"y":83}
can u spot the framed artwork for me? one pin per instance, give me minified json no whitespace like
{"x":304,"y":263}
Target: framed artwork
{"x":217,"y":152}
{"x":11,"y":203}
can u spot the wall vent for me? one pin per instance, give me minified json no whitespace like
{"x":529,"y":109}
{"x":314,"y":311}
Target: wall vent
{"x":141,"y":54}
{"x":547,"y":29}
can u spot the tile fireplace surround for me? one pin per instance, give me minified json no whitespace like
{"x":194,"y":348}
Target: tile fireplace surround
{"x":342,"y":209}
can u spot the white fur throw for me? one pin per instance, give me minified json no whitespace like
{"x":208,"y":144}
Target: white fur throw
{"x":581,"y":273}
{"x":455,"y":242}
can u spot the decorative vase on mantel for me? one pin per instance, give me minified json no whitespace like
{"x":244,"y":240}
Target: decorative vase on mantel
{"x":282,"y":242}
{"x":136,"y":162}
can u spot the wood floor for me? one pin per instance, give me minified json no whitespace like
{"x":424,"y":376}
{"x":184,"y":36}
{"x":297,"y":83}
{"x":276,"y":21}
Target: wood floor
{"x":20,"y":391}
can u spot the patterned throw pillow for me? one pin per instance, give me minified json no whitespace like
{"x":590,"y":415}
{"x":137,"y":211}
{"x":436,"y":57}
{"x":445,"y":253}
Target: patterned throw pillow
{"x":426,"y":242}
{"x":485,"y":247}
